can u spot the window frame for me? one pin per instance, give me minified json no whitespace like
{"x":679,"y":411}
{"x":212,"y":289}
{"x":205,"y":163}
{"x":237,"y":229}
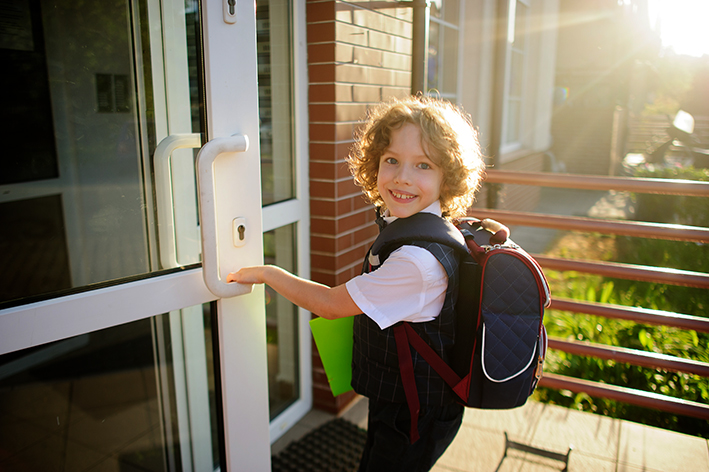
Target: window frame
{"x":443,"y":27}
{"x":510,"y":146}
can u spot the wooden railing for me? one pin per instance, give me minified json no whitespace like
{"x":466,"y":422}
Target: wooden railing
{"x":617,"y":270}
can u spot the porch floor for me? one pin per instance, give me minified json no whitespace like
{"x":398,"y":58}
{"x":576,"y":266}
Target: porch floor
{"x":599,"y":443}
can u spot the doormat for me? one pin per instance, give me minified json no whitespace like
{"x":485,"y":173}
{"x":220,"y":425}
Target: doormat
{"x":335,"y":446}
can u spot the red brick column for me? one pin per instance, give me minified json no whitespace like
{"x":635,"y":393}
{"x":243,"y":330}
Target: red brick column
{"x":356,"y":57}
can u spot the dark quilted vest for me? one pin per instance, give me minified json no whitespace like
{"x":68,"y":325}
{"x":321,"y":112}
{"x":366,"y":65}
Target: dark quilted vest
{"x":375,"y":364}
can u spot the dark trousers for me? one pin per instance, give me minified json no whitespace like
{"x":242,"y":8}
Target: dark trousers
{"x":388,"y":448}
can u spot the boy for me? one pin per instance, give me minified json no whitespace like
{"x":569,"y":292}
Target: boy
{"x":413,"y":155}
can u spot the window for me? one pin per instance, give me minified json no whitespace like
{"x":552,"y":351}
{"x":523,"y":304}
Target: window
{"x":274,"y":47}
{"x":444,"y":31}
{"x":515,"y":75}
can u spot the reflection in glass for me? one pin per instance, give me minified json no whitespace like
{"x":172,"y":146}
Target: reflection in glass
{"x":76,"y":193}
{"x":122,"y":398}
{"x":281,"y":325}
{"x":273,"y":23}
{"x":516,"y":71}
{"x":442,"y":79}
{"x":435,"y":57}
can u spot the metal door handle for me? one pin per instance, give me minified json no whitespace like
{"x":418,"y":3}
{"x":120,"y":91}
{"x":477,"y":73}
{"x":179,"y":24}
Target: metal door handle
{"x":208,"y":215}
{"x":163,"y":193}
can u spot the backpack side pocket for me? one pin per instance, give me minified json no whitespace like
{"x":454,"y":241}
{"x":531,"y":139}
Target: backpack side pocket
{"x":510,"y":332}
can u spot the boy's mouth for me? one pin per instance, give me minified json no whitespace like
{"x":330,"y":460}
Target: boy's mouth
{"x":402,"y":196}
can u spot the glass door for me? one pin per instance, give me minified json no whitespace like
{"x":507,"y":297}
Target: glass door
{"x":113,"y":352}
{"x":282,"y":78}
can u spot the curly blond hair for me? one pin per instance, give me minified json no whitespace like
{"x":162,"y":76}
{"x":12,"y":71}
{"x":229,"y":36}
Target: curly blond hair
{"x":447,"y":134}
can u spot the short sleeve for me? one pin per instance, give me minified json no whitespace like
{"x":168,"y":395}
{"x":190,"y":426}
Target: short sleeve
{"x":409,"y":286}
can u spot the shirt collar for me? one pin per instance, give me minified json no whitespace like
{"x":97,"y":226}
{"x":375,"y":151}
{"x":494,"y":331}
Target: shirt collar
{"x":434,"y":208}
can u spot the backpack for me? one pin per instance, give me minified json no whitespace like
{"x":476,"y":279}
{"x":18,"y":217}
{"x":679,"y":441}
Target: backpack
{"x":500,"y":340}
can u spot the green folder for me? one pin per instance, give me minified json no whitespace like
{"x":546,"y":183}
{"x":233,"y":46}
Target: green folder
{"x":334,"y":341}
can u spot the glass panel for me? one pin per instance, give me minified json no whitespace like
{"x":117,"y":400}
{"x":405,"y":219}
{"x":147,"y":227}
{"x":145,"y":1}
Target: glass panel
{"x":443,"y":50}
{"x":450,"y":74}
{"x":26,"y":122}
{"x":273,"y":24}
{"x":513,"y":116}
{"x":194,"y":60}
{"x":452,"y":11}
{"x":515,"y":86}
{"x":516,"y":74}
{"x":281,"y":324}
{"x":435,"y":56}
{"x":115,"y":399}
{"x":80,"y":126}
{"x":520,"y":21}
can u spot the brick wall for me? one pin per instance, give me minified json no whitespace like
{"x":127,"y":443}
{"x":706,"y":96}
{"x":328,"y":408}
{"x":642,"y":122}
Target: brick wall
{"x":356,"y":57}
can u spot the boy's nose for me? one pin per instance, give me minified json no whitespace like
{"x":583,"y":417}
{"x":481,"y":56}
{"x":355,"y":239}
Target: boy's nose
{"x":402,"y":175}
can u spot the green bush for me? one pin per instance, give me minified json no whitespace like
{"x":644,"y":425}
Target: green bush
{"x":672,"y":208}
{"x":670,"y":254}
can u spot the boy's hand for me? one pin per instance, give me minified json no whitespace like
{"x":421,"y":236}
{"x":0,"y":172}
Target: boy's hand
{"x":327,"y":302}
{"x":247,"y":275}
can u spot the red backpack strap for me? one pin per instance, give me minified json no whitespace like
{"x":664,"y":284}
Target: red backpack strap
{"x":406,"y":369}
{"x":433,"y":359}
{"x":405,"y":335}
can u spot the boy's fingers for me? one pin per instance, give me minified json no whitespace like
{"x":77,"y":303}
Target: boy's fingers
{"x":241,"y":276}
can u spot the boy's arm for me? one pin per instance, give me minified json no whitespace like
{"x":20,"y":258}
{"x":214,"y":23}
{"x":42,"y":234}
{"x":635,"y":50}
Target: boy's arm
{"x":324,"y":301}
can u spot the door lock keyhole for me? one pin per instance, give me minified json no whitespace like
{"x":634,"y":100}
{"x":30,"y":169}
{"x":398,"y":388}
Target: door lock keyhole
{"x":239,"y":231}
{"x":229,"y":11}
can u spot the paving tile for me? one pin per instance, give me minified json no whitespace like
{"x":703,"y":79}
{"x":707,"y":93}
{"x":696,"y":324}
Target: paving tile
{"x":474,"y":449}
{"x":111,"y":388}
{"x":442,"y":468}
{"x":579,"y":462}
{"x":112,"y":428}
{"x":357,"y":412}
{"x":658,"y":449}
{"x":16,"y":435}
{"x":47,"y":454}
{"x":519,"y":422}
{"x":46,"y":404}
{"x":80,"y":457}
{"x":487,"y":454}
{"x":316,"y":418}
{"x":110,"y":464}
{"x":591,"y":434}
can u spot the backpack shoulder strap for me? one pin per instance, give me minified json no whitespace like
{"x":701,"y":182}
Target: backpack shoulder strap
{"x":419,"y":227}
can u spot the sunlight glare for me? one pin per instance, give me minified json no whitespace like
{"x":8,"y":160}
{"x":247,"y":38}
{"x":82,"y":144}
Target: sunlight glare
{"x":682,"y":25}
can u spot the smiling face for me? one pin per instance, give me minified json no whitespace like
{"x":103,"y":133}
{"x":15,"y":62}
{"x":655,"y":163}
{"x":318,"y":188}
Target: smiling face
{"x":408,"y":181}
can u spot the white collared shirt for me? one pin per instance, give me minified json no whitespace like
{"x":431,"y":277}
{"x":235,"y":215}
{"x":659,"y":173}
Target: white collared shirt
{"x":409,"y":286}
